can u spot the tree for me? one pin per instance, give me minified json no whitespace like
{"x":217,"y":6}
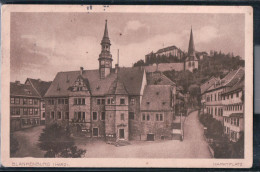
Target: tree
{"x":139,"y":63}
{"x":14,"y":145}
{"x":56,"y":140}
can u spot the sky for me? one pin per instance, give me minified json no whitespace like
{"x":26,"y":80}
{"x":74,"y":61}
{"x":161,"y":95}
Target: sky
{"x":43,"y":44}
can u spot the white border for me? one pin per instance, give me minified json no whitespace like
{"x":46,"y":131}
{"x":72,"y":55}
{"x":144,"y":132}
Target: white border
{"x":127,"y":162}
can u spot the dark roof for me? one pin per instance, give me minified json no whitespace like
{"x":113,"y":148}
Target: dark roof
{"x":158,"y":78}
{"x":156,"y":98}
{"x":130,"y":77}
{"x":206,"y":85}
{"x":237,"y":115}
{"x":117,"y":88}
{"x":238,"y":86}
{"x":41,"y":87}
{"x":229,"y":80}
{"x":17,"y":89}
{"x":167,"y":49}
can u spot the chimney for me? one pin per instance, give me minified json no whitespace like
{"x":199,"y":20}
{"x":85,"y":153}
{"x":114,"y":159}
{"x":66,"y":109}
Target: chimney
{"x":81,"y":70}
{"x":116,"y":68}
{"x":17,"y":82}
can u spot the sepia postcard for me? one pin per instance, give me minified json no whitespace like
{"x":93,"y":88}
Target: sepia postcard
{"x":127,"y":86}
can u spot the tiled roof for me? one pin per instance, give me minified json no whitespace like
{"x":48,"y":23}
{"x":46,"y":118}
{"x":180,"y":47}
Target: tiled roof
{"x":206,"y":85}
{"x":22,"y":90}
{"x":230,"y":79}
{"x":158,"y":78}
{"x":130,"y":77}
{"x":238,"y":86}
{"x":117,"y":88}
{"x":156,"y":98}
{"x":237,"y":115}
{"x":40,"y":86}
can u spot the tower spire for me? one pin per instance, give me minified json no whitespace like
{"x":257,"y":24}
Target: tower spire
{"x":105,"y":37}
{"x":191,"y":49}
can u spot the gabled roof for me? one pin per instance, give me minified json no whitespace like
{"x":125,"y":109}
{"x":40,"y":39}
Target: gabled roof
{"x":40,"y":86}
{"x":206,"y":85}
{"x":229,"y":80}
{"x":238,"y":86}
{"x":156,"y":98}
{"x":130,"y":77}
{"x":117,"y":88}
{"x":158,"y":78}
{"x":17,"y":89}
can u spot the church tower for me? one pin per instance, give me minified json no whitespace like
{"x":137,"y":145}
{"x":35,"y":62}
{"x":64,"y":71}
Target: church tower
{"x":191,"y":61}
{"x":105,"y":58}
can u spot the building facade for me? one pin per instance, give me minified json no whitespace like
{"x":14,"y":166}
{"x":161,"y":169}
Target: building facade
{"x":25,"y":104}
{"x":233,"y":101}
{"x":108,"y":102}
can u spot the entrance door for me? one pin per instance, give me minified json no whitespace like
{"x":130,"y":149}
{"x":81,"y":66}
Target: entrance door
{"x":95,"y":132}
{"x":150,"y":137}
{"x":121,"y":133}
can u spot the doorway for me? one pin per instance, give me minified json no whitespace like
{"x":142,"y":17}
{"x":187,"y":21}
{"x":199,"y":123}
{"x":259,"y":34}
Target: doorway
{"x":150,"y":137}
{"x":95,"y":132}
{"x":121,"y":133}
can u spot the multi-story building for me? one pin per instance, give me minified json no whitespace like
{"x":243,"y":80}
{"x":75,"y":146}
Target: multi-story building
{"x":214,"y":104}
{"x":26,"y":103}
{"x":233,"y":103}
{"x":203,"y":88}
{"x":40,"y":87}
{"x":110,"y":102}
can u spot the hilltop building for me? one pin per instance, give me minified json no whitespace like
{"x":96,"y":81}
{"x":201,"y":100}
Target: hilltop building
{"x":27,"y":107}
{"x":112,"y":103}
{"x":164,"y":58}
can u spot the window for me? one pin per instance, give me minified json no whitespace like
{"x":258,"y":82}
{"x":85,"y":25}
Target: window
{"x":237,"y":94}
{"x":35,"y":111}
{"x":148,"y":117}
{"x":215,"y":97}
{"x":30,"y":101}
{"x":58,"y":115}
{"x":12,"y":110}
{"x":17,"y":111}
{"x":122,"y":101}
{"x":132,"y":101}
{"x":110,"y":101}
{"x":103,"y":116}
{"x":52,"y":115}
{"x":232,"y":96}
{"x":12,"y":100}
{"x":43,"y":105}
{"x":238,"y":122}
{"x":25,"y":111}
{"x":103,"y":101}
{"x":17,"y":101}
{"x":30,"y":111}
{"x":161,"y":117}
{"x":67,"y":115}
{"x":79,"y":101}
{"x":131,"y":115}
{"x":51,"y":101}
{"x":94,"y":116}
{"x":83,"y":116}
{"x":66,"y":101}
{"x":143,"y":117}
{"x":228,"y":96}
{"x":25,"y":101}
{"x":79,"y":116}
{"x":43,"y":114}
{"x":157,"y":117}
{"x":122,"y":117}
{"x":98,"y":101}
{"x":216,"y":111}
{"x":35,"y":102}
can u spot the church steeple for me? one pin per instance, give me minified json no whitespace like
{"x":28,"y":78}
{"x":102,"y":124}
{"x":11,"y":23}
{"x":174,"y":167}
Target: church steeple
{"x":105,"y":58}
{"x":191,"y":50}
